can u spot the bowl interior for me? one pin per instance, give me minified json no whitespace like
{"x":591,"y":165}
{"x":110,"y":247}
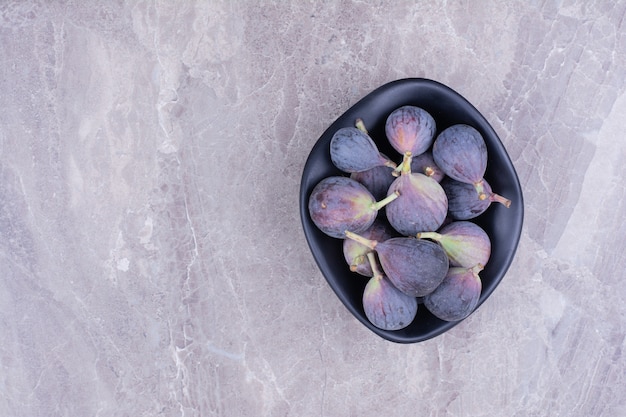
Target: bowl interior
{"x":503,"y":225}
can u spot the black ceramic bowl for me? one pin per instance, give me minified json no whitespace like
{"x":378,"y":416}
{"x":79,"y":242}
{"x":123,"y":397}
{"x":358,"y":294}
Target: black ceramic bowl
{"x":503,"y":225}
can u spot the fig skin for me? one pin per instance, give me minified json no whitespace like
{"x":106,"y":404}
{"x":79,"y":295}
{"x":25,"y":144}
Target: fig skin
{"x":457,"y":296}
{"x":410,"y":129}
{"x":355,"y":253}
{"x":425,"y":164}
{"x":460,"y":151}
{"x":422,"y":205}
{"x":377,"y":180}
{"x":338,"y":203}
{"x":465,"y":243}
{"x":463,"y":201}
{"x":414,"y":266}
{"x":384,"y":305}
{"x":353,"y":150}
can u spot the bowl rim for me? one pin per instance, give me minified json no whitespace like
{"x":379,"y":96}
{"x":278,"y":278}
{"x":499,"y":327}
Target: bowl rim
{"x":390,"y":92}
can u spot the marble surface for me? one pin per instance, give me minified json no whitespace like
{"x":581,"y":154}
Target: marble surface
{"x":152,"y":258}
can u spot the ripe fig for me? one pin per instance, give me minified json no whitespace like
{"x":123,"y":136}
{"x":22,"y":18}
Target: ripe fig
{"x":410,"y":129}
{"x":385,"y":306}
{"x":377,"y":180}
{"x":414,"y":266}
{"x":457,"y":296}
{"x":461,"y":153}
{"x":352,"y":150}
{"x":355,"y":253}
{"x":422,"y":205}
{"x":340,"y":203}
{"x":465,"y":243}
{"x":463,"y":201}
{"x":425,"y":164}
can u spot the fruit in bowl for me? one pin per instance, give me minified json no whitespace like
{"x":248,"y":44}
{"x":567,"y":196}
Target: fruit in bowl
{"x":475,"y":183}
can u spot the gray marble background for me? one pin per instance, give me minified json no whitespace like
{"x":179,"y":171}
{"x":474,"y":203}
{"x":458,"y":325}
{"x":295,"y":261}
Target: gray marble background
{"x":152,"y":261}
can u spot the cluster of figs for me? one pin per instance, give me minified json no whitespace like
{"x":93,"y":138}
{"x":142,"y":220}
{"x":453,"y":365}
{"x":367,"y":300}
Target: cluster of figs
{"x":409,"y":226}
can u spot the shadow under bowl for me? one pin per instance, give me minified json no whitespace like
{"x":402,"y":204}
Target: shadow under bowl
{"x":503,"y":225}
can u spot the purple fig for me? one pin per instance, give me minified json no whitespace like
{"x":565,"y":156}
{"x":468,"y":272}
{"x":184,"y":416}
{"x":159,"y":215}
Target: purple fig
{"x":425,"y":164}
{"x":414,"y":266}
{"x":461,"y":153}
{"x":355,"y":253}
{"x":352,"y":150}
{"x":465,"y":243}
{"x":422,"y":205}
{"x":463,"y":201}
{"x":340,"y":203}
{"x":410,"y":129}
{"x":457,"y":296}
{"x":385,"y":306}
{"x":377,"y":180}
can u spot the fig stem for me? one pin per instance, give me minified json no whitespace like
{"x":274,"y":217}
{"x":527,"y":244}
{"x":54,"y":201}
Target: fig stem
{"x":499,"y":199}
{"x":360,"y":239}
{"x":480,"y":189}
{"x":382,"y":203}
{"x":360,"y":125}
{"x":374,"y":265}
{"x":358,"y":260}
{"x":405,"y":165}
{"x":390,"y":164}
{"x":429,"y":235}
{"x":476,"y":270}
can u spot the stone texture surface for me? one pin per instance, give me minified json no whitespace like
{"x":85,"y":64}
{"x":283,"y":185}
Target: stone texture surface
{"x":152,"y":259}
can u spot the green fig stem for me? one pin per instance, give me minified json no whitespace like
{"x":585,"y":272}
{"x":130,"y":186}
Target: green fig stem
{"x":499,"y":199}
{"x":429,"y":235}
{"x":360,"y":125}
{"x":358,"y":260}
{"x":406,"y":163}
{"x":360,"y":239}
{"x":374,"y":265}
{"x":404,"y":167}
{"x":391,"y":164}
{"x":476,"y":269}
{"x":480,"y":189}
{"x":382,"y":203}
